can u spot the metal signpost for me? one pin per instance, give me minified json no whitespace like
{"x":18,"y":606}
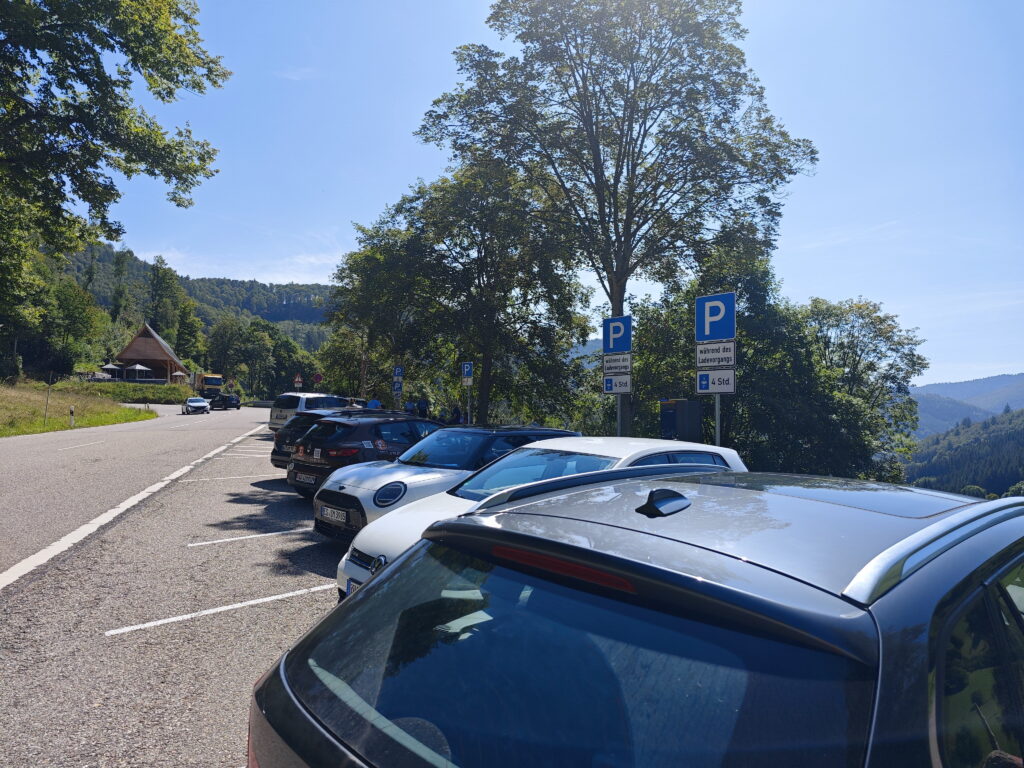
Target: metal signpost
{"x":617,"y":364}
{"x":398,"y":374}
{"x":467,"y":382}
{"x":715,"y":329}
{"x":297,"y":382}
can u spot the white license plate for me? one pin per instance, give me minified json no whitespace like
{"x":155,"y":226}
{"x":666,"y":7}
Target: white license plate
{"x":301,"y":477}
{"x":337,"y":515}
{"x":351,"y":586}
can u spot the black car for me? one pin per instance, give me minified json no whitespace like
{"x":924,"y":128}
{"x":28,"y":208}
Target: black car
{"x":337,"y":441}
{"x":225,"y":400}
{"x":297,"y":426}
{"x":641,"y":617}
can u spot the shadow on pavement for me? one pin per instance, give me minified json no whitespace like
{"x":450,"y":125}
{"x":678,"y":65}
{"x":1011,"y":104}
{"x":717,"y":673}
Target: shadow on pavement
{"x":316,"y":555}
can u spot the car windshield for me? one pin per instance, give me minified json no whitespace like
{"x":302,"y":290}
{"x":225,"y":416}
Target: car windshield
{"x":196,"y":401}
{"x":452,"y":660}
{"x":528,"y":465}
{"x":328,"y":430}
{"x":447,"y":449}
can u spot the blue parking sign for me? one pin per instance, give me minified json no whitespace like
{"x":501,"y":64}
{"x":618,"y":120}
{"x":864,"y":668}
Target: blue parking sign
{"x":618,"y":335}
{"x":715,"y":317}
{"x":467,"y":370}
{"x":399,"y":371}
{"x":396,"y":387}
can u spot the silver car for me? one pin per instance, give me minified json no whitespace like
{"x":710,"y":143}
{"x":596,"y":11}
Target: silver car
{"x":195,"y":405}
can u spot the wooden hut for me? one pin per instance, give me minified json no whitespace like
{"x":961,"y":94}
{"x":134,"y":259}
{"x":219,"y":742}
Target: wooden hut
{"x":148,"y":349}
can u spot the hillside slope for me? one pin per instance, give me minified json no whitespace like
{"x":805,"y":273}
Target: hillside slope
{"x":992,"y":393}
{"x":297,"y":307}
{"x":989,"y":453}
{"x":936,"y":414}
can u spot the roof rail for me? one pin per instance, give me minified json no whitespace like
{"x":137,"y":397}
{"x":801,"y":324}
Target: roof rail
{"x":520,"y":492}
{"x":893,"y":565}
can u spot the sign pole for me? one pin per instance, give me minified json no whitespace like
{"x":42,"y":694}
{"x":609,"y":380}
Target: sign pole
{"x":718,"y":419}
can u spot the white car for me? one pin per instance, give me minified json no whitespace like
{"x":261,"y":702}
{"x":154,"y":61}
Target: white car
{"x":288,"y":404}
{"x":383,"y":540}
{"x":195,"y":405}
{"x":356,"y":495}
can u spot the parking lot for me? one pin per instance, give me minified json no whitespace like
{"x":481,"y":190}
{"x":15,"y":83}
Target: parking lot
{"x":140,"y":644}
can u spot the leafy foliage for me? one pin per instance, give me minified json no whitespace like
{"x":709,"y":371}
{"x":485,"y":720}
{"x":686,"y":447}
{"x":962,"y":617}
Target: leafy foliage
{"x":988,"y":454}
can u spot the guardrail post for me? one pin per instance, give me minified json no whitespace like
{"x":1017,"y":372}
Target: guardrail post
{"x":72,"y":417}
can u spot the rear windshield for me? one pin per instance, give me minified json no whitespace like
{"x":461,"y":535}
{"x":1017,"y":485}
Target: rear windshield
{"x":528,"y":465}
{"x":448,"y":449}
{"x":451,"y":660}
{"x":286,"y":402}
{"x":327,"y":401}
{"x":302,"y":421}
{"x":328,"y":430}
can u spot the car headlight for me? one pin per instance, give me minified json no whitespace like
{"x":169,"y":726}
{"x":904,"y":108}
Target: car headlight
{"x":389,"y":494}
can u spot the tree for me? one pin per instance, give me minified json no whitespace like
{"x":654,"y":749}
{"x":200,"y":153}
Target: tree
{"x":463,"y":269}
{"x":639,"y":121}
{"x":191,"y":342}
{"x":165,"y":298}
{"x":68,"y":117}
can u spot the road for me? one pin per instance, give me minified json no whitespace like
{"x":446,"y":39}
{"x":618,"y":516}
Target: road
{"x":139,"y":645}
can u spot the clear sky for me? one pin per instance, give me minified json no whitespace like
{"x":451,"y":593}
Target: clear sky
{"x":915,"y":107}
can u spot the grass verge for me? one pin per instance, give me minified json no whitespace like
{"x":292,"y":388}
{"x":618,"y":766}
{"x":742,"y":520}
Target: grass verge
{"x":22,"y":410}
{"x":124,"y":392}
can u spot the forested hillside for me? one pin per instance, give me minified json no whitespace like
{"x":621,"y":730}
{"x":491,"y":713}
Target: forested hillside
{"x":991,"y":393}
{"x":936,"y":414}
{"x":296,"y":308}
{"x":988,"y":454}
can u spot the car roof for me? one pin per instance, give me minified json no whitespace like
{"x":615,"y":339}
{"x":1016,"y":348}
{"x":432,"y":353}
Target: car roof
{"x":821,"y":531}
{"x":311,"y":394}
{"x":371,"y":416}
{"x":627,"y":447}
{"x":498,"y":429}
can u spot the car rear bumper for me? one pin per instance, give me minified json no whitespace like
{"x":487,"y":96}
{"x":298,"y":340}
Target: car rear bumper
{"x":298,"y":470}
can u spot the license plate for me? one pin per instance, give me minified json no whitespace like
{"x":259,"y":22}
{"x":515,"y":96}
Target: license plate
{"x":337,"y":515}
{"x":351,"y":586}
{"x":301,"y":477}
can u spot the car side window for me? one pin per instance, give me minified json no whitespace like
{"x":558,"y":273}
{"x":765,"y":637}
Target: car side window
{"x":424,"y":428}
{"x":980,"y":696}
{"x":502,"y":445}
{"x":401,"y":432}
{"x":653,"y":459}
{"x":696,"y":457}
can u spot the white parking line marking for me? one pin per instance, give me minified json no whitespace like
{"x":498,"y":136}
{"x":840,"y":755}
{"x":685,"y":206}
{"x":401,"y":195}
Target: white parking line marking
{"x":64,"y":543}
{"x":81,"y":446}
{"x":250,"y":536}
{"x":221,"y":609}
{"x":229,"y":477}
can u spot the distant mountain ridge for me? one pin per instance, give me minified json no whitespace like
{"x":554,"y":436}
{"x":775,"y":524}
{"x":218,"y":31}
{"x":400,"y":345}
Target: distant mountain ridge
{"x":991,"y":393}
{"x":299,"y":308}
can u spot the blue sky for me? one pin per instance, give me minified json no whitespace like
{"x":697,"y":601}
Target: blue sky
{"x":915,"y":108}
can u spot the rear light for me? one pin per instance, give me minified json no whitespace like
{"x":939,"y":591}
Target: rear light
{"x":565,"y":568}
{"x":342,"y":451}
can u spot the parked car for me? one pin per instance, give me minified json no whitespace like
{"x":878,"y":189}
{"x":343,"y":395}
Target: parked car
{"x":225,"y":400}
{"x":337,"y":441}
{"x":288,"y":404}
{"x":195,"y":405}
{"x":353,"y":496}
{"x":789,"y":622}
{"x":392,"y":534}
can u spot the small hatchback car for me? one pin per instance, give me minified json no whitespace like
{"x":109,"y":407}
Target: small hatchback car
{"x":337,"y":441}
{"x":354,"y":496}
{"x":195,"y":405}
{"x":649,"y":618}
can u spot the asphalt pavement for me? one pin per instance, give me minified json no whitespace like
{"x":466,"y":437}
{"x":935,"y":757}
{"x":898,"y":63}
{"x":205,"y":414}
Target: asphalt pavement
{"x":139,"y":645}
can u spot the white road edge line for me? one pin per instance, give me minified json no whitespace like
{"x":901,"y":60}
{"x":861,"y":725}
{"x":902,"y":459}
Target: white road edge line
{"x":221,"y":609}
{"x":230,"y":477}
{"x":250,"y":536}
{"x":64,"y":543}
{"x":81,"y":446}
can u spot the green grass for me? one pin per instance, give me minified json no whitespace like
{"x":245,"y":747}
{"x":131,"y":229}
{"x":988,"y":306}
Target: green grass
{"x":22,"y":410}
{"x":124,"y":392}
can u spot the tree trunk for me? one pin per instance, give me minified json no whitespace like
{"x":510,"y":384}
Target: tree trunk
{"x":483,"y":402}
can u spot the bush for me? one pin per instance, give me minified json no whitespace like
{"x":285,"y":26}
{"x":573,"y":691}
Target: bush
{"x":125,"y":392}
{"x":973,"y":490}
{"x":1017,"y":489}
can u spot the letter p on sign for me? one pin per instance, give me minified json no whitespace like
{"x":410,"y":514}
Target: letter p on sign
{"x":716,"y":317}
